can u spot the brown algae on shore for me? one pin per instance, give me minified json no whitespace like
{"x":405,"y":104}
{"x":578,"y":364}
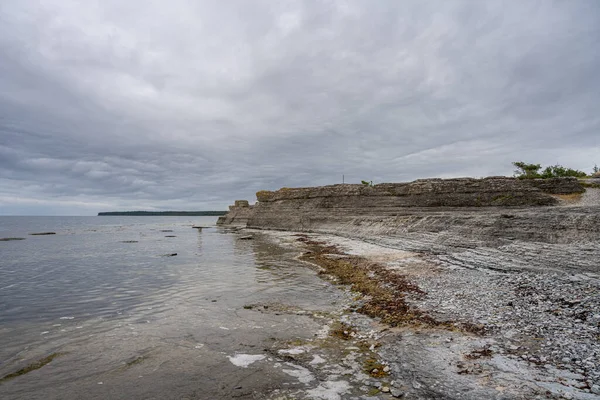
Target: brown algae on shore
{"x":383,"y":290}
{"x":31,"y":367}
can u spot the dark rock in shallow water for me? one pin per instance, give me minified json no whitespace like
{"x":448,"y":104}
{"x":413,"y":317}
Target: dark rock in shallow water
{"x":167,"y":230}
{"x":10,"y":239}
{"x":43,"y":233}
{"x":169,"y":255}
{"x":129,"y":241}
{"x":170,"y":236}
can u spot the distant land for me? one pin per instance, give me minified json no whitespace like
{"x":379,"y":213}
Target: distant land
{"x":163,"y":213}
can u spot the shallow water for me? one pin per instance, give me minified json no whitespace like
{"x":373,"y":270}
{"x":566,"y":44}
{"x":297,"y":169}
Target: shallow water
{"x":130,"y":322}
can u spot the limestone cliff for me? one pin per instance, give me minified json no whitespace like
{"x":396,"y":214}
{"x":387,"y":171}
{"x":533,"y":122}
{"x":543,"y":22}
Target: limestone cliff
{"x":459,"y":213}
{"x":238,"y":215}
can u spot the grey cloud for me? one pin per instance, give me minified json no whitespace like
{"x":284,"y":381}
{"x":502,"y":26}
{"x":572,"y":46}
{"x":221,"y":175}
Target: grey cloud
{"x":193,"y":104}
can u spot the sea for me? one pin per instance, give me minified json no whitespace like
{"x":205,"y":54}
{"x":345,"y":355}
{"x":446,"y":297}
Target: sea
{"x":127,"y":307}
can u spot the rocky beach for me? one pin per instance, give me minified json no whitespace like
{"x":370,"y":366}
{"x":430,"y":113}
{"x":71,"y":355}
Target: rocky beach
{"x":476,"y":288}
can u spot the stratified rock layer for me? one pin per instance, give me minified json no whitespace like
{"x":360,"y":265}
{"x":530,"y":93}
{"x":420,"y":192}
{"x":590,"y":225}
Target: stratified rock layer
{"x":459,"y":218}
{"x":238,"y":214}
{"x":461,"y":192}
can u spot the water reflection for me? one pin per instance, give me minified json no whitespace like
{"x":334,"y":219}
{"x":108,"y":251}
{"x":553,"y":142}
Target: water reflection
{"x":180,"y":315}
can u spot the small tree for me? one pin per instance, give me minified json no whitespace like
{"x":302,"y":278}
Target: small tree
{"x":527,"y":171}
{"x":595,"y":170}
{"x":366,"y":183}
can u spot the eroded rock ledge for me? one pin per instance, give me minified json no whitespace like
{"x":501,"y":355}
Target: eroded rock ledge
{"x":491,"y":211}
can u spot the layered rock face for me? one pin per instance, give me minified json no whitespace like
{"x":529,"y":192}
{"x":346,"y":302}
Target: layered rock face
{"x":238,"y":215}
{"x":461,"y":192}
{"x":434,"y":215}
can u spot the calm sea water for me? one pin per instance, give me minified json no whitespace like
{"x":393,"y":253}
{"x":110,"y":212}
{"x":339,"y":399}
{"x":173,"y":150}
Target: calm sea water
{"x":131,"y":322}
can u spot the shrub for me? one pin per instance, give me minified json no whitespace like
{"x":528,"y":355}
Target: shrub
{"x":558,"y":171}
{"x":531,"y":171}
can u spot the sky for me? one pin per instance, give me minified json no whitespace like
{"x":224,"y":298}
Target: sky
{"x":190,"y":105}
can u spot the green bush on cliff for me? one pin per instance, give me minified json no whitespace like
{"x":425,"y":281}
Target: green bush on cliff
{"x":558,"y":171}
{"x":531,"y":171}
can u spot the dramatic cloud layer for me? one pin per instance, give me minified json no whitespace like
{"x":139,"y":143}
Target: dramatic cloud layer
{"x":192,"y":104}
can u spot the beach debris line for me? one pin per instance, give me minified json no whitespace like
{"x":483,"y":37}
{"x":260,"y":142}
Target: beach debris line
{"x":384,"y":290}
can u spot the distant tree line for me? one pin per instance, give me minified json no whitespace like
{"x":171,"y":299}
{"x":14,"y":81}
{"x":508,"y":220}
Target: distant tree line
{"x":164,"y":213}
{"x":531,"y":171}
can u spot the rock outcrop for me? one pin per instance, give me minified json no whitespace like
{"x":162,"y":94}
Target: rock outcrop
{"x":439,"y":216}
{"x":460,"y":192}
{"x":492,"y":209}
{"x":238,"y":215}
{"x":453,"y":217}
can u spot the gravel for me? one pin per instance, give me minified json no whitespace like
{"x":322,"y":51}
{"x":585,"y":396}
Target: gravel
{"x":544,"y":319}
{"x":542,"y":327}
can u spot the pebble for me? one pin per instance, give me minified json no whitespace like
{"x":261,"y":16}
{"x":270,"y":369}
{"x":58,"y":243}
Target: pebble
{"x":544,"y":318}
{"x":385,"y":389}
{"x":373,"y":383}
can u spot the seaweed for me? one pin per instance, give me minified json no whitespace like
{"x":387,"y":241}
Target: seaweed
{"x":31,"y":367}
{"x":383,"y":291}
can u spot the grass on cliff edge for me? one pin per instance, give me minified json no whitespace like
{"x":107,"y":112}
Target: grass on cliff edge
{"x":383,"y":290}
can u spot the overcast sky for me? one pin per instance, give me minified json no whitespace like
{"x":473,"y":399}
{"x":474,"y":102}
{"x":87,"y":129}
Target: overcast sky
{"x":189,"y":105}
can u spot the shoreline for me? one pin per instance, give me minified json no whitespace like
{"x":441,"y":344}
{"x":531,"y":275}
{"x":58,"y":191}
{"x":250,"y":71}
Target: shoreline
{"x":541,"y":350}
